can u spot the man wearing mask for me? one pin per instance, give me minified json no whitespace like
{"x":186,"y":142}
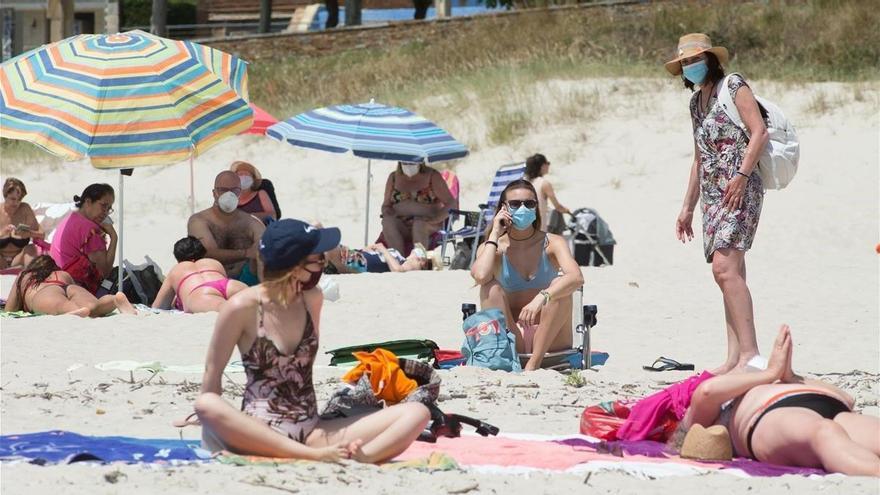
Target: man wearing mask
{"x":229,"y":235}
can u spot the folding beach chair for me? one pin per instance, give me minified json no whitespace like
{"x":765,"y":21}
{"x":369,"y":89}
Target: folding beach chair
{"x":583,"y":319}
{"x":475,"y":221}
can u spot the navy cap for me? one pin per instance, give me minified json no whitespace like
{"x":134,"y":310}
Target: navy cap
{"x":287,"y":242}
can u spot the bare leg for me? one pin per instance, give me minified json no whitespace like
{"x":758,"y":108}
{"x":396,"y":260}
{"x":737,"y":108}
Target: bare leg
{"x":422,"y":231}
{"x":728,"y":269}
{"x":52,"y":301}
{"x":795,"y":436}
{"x":393,"y":229}
{"x":25,"y":256}
{"x":123,"y":305}
{"x":384,"y":433}
{"x":554,"y":331}
{"x":492,"y":295}
{"x":863,"y":429}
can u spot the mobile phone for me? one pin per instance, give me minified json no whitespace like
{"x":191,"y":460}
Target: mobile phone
{"x":23,"y":227}
{"x":108,"y":221}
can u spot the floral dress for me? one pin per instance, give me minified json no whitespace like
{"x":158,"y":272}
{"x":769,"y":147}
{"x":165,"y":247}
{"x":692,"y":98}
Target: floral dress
{"x":721,"y":145}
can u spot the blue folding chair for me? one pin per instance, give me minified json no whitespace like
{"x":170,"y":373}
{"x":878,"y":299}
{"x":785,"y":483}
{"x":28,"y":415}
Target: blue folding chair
{"x":475,"y":221}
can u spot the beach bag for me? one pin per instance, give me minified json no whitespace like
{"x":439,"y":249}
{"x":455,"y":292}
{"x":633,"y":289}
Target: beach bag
{"x":82,"y":270}
{"x":140,"y":283}
{"x":556,"y":223}
{"x":421,"y":350}
{"x":590,"y":239}
{"x":487,"y":343}
{"x":778,"y":162}
{"x":604,"y":419}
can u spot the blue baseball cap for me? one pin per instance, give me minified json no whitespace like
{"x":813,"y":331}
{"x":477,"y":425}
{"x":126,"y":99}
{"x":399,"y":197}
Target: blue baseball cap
{"x":287,"y":242}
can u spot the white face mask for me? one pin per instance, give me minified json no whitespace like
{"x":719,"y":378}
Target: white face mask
{"x":227,"y":202}
{"x":411,"y":169}
{"x":246,"y":181}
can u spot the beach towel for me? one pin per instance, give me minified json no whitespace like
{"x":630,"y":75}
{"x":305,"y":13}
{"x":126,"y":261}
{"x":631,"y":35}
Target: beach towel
{"x":657,"y":415}
{"x":17,"y":314}
{"x":64,"y":447}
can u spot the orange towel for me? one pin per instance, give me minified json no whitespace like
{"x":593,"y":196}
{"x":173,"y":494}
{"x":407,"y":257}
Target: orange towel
{"x":389,"y":382}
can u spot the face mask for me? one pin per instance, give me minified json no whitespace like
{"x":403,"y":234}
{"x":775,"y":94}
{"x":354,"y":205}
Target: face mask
{"x":312,"y":282}
{"x":523,"y":217}
{"x":411,"y":170}
{"x":695,"y":72}
{"x":227,"y":202}
{"x":246,"y":181}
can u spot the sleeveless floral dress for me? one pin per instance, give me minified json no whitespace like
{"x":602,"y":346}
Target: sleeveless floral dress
{"x":721,"y":145}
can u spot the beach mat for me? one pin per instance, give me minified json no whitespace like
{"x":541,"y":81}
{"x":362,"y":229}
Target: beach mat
{"x":64,"y":447}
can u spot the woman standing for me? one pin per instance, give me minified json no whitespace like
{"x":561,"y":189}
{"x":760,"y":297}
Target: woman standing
{"x":18,"y":225}
{"x":722,"y":177}
{"x":79,"y":247}
{"x":537,"y":166}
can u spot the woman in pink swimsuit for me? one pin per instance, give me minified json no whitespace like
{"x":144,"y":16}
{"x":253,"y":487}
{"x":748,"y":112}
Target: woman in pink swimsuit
{"x":196,"y":284}
{"x":275,"y":326}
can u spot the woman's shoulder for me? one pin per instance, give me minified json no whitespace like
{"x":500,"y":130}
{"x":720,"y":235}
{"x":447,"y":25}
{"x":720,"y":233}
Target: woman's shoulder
{"x":735,"y":80}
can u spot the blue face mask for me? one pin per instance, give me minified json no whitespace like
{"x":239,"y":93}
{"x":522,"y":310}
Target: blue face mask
{"x":695,"y":72}
{"x":523,"y":217}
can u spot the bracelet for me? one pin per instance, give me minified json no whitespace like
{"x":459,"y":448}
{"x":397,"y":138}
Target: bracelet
{"x":546,"y":295}
{"x":491,"y":242}
{"x":744,"y":175}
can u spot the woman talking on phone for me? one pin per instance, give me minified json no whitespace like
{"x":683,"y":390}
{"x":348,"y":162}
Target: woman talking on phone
{"x":79,"y":247}
{"x":18,"y":225}
{"x":518,"y":270}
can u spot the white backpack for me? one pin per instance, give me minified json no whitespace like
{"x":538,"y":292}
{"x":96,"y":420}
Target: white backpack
{"x":779,"y":160}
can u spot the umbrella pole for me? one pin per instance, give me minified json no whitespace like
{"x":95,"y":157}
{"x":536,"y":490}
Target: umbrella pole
{"x":192,"y":191}
{"x":119,"y":270}
{"x":367,"y":214}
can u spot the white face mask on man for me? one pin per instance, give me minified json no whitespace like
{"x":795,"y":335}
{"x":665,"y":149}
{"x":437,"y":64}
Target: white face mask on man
{"x":410,"y":169}
{"x":246,"y":181}
{"x":227,"y":202}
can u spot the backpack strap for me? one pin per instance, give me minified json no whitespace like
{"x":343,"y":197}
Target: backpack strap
{"x":728,"y":105}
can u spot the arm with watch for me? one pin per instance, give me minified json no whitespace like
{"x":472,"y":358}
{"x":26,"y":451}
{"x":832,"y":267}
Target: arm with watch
{"x":483,"y":269}
{"x":748,"y":109}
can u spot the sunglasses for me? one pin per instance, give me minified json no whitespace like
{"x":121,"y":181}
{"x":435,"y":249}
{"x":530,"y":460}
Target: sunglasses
{"x":514,"y":204}
{"x":221,"y":190}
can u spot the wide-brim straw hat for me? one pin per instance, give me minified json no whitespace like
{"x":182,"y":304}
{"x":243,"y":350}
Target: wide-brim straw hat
{"x":691,"y":45}
{"x":247,"y":167}
{"x":707,"y":444}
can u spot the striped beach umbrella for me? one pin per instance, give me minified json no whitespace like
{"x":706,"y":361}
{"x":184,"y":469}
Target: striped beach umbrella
{"x":124,"y":100}
{"x":372,"y":131}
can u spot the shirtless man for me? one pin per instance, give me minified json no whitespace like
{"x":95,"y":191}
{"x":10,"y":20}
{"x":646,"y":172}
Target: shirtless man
{"x":229,"y":235}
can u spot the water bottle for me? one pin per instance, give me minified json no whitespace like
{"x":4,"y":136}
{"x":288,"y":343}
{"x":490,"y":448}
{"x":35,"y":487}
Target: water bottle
{"x":467,"y":309}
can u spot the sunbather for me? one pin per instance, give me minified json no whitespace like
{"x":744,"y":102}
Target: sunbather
{"x":541,"y":300}
{"x":18,"y":225}
{"x":42,"y":287}
{"x":196,"y":284}
{"x":378,"y":259}
{"x":275,"y":326}
{"x":780,"y":418}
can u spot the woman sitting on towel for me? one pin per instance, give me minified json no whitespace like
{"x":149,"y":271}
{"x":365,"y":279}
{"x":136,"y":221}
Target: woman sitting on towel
{"x":18,"y":225}
{"x":379,"y":259}
{"x":196,"y":284}
{"x":537,"y":305}
{"x":275,"y":326}
{"x":777,"y":417}
{"x":44,"y":288}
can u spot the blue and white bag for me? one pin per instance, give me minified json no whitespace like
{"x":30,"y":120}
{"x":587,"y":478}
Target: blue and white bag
{"x":487,"y":343}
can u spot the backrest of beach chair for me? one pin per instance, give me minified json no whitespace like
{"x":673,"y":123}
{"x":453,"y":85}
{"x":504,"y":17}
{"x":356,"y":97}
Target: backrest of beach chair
{"x":503,"y":176}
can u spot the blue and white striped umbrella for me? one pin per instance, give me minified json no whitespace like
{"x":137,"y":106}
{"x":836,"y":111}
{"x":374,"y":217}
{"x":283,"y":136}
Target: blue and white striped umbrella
{"x":373,"y":131}
{"x":370,"y":130}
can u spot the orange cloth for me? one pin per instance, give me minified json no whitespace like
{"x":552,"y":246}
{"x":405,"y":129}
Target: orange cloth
{"x":386,"y":378}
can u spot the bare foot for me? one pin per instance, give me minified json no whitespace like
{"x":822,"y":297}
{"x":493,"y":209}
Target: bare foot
{"x":81,"y":312}
{"x":123,"y":305}
{"x":723,"y":369}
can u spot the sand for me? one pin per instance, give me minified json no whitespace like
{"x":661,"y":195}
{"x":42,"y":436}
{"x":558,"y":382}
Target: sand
{"x":813,"y":266}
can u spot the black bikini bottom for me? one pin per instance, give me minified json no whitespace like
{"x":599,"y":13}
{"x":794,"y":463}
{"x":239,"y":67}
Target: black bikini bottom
{"x":825,"y":406}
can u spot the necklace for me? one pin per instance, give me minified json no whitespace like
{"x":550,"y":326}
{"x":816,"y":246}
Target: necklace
{"x":512,"y":238}
{"x":708,"y":100}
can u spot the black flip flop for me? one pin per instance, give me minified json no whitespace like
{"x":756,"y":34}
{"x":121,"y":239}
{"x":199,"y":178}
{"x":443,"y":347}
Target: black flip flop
{"x":667,"y":364}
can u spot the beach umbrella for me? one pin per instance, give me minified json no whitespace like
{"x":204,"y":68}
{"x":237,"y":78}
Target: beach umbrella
{"x":373,"y":131}
{"x":262,"y":121}
{"x":124,"y":100}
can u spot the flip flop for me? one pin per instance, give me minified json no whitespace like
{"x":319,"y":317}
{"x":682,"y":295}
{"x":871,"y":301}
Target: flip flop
{"x":667,"y":364}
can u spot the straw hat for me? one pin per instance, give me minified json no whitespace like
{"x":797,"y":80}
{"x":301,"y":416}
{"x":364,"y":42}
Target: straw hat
{"x":707,"y":444}
{"x":247,"y":167}
{"x":694,"y":44}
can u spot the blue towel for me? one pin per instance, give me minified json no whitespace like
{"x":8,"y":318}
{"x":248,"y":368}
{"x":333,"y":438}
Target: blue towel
{"x":64,"y":447}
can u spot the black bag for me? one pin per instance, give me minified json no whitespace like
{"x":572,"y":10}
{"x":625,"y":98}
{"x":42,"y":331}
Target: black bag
{"x":590,"y":239}
{"x":556,"y":223}
{"x":140,"y":283}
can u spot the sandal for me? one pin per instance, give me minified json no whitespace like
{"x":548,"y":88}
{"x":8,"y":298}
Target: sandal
{"x":666,"y":364}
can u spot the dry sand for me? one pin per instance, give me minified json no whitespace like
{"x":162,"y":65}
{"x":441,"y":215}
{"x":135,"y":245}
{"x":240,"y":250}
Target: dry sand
{"x":813,"y":266}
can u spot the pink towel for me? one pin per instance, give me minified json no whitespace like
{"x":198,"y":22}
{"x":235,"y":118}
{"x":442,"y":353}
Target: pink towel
{"x":651,"y":412}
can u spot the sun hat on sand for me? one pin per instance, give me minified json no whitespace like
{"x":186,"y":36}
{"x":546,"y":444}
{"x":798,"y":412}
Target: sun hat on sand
{"x":694,"y":44}
{"x":707,"y":444}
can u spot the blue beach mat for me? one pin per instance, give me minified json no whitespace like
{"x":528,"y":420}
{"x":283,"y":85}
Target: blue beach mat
{"x":64,"y":447}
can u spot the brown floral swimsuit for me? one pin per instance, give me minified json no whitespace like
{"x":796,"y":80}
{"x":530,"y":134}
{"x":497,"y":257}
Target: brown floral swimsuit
{"x":279,"y":388}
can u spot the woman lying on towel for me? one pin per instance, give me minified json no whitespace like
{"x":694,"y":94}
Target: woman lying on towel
{"x":275,"y":326}
{"x":518,"y":271}
{"x":196,"y":284}
{"x":780,"y":418}
{"x":44,"y":288}
{"x":379,"y":259}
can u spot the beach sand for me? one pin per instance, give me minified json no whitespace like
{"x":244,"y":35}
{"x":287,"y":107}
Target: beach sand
{"x":813,"y":265}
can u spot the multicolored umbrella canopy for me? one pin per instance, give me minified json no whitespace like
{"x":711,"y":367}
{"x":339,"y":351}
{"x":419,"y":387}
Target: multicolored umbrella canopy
{"x":370,"y":130}
{"x":124,"y":100}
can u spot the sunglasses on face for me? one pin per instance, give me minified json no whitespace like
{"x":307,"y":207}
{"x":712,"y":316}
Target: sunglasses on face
{"x":514,"y":204}
{"x":221,"y":190}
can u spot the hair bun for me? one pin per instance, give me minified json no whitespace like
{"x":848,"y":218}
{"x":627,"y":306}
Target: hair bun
{"x":76,"y":198}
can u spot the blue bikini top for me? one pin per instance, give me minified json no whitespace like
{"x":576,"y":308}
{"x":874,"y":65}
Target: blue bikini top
{"x":512,"y":281}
